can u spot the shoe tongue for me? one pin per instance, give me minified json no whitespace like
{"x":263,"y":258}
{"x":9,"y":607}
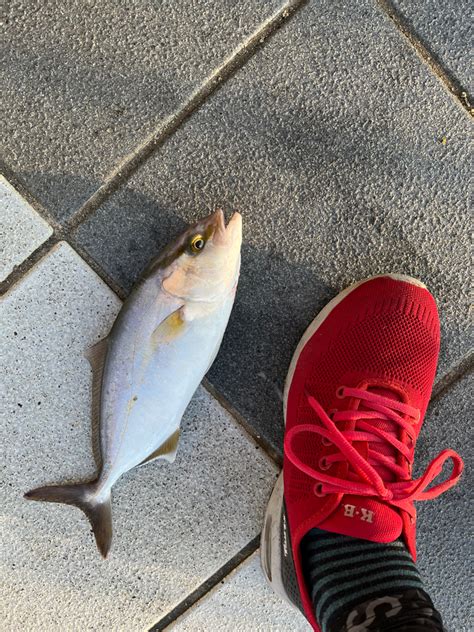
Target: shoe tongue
{"x":364,"y":518}
{"x":387,"y":426}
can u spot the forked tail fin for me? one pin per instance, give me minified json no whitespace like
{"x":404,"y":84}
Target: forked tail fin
{"x":82,"y":496}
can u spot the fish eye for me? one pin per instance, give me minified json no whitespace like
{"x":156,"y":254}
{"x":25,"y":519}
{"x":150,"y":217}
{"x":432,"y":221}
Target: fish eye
{"x":197,"y":243}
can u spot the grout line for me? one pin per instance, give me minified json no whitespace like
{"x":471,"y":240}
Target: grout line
{"x":463,"y":367}
{"x":27,"y":264}
{"x":98,"y":269}
{"x":22,"y":270}
{"x":207,"y":586}
{"x":274,"y":454}
{"x":142,"y":152}
{"x":427,"y":55}
{"x":60,"y":233}
{"x":442,"y":385}
{"x":440,"y":388}
{"x":17,"y":183}
{"x":123,"y":171}
{"x":45,"y":248}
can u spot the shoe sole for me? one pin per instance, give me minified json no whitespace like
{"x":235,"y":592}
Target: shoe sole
{"x":271,"y":532}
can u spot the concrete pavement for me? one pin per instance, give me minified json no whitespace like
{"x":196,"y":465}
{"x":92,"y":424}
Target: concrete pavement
{"x":342,"y":133}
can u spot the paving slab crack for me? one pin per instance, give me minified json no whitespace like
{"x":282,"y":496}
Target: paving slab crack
{"x":207,"y":586}
{"x":127,"y":167}
{"x":425,"y":52}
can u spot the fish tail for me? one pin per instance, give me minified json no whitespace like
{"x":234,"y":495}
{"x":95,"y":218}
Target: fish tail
{"x":82,"y":495}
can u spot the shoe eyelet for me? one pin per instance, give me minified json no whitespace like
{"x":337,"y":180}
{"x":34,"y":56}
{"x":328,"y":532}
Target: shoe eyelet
{"x":318,"y":490}
{"x":323,"y":463}
{"x":332,"y":412}
{"x":340,"y":392}
{"x":326,"y":442}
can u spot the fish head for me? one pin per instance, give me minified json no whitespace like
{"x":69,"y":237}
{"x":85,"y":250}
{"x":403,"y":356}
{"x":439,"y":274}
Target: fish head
{"x":203,"y":264}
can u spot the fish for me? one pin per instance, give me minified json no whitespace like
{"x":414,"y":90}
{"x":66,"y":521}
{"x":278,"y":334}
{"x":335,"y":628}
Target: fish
{"x":146,"y":370}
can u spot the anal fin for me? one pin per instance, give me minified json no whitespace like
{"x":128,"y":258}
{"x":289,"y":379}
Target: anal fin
{"x":167,"y":450}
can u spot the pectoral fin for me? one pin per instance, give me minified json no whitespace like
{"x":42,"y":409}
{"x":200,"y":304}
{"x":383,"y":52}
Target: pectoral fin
{"x":96,"y":356}
{"x":167,"y":450}
{"x":168,"y":329}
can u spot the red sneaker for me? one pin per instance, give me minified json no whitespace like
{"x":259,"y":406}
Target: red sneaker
{"x":355,"y":396}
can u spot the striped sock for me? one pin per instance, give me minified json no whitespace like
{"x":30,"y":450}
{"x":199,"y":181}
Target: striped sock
{"x":348,"y":578}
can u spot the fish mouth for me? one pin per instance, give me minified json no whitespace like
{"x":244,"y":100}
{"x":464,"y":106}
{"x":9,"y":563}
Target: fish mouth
{"x":226,"y":236}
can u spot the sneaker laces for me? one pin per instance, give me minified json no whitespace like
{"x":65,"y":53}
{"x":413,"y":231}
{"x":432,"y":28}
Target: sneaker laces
{"x":365,"y":480}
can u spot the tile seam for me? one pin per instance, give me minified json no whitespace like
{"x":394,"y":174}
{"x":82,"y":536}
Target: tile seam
{"x":442,"y":385}
{"x":20,"y":186}
{"x":207,"y":586}
{"x":167,"y":127}
{"x":464,"y":366}
{"x":454,"y":87}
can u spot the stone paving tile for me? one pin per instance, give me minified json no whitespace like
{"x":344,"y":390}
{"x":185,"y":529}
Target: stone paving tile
{"x":173,"y":525}
{"x":445,"y":555}
{"x":244,"y":602}
{"x":447,"y":29}
{"x":329,"y":142}
{"x":85,"y":84}
{"x":22,"y":230}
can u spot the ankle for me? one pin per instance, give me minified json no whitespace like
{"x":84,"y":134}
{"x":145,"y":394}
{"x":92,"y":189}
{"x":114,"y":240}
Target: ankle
{"x":356,"y":585}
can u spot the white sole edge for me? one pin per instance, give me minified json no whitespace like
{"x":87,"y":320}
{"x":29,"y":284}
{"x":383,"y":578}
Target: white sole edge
{"x":271,"y":532}
{"x":270,"y":541}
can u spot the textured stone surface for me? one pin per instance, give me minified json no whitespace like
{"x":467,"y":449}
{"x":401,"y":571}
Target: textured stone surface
{"x":329,"y":142}
{"x":84,"y":84}
{"x":173,"y":525}
{"x":445,"y":556}
{"x":446,"y":27}
{"x":244,"y":602}
{"x":22,"y":230}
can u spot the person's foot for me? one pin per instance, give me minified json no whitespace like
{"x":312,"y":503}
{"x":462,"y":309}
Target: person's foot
{"x":355,"y":397}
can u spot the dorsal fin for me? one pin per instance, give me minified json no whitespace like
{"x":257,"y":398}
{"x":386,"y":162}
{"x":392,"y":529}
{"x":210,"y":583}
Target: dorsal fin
{"x":167,"y":450}
{"x":96,"y":356}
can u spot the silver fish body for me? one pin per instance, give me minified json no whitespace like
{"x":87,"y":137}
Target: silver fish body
{"x":146,"y":370}
{"x":150,"y":375}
